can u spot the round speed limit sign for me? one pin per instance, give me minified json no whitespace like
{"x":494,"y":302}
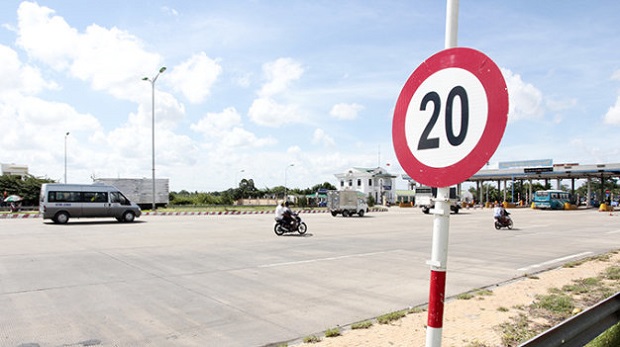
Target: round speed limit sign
{"x":450,"y":117}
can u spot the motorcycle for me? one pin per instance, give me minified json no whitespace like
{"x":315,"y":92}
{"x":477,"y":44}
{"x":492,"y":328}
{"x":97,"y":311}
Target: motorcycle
{"x":297,"y":225}
{"x":504,"y":222}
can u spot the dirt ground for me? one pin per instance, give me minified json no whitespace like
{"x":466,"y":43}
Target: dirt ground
{"x":468,"y":322}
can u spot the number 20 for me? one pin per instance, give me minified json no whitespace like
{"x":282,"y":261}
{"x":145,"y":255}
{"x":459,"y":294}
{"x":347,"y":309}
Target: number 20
{"x":454,"y":140}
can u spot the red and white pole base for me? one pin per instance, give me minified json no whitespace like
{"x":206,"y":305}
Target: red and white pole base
{"x":438,"y":262}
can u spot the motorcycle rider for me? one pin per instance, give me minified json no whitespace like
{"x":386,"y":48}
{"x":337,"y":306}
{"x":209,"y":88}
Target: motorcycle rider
{"x":287,"y":216}
{"x":499,"y":213}
{"x":283,"y":214}
{"x":280,"y":211}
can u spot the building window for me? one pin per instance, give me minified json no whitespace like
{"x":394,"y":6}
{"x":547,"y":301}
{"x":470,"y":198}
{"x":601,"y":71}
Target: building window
{"x":350,"y":183}
{"x":359,"y":182}
{"x":370,"y":182}
{"x":342,"y":183}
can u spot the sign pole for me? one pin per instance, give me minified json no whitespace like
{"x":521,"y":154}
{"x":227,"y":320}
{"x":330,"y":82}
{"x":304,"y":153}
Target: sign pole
{"x":441,"y":222}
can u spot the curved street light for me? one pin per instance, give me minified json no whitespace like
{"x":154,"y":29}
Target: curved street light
{"x":152,"y":81}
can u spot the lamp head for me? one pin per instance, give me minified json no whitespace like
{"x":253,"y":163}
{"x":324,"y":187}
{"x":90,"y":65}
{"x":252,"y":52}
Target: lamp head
{"x":163,"y":68}
{"x":145,"y":78}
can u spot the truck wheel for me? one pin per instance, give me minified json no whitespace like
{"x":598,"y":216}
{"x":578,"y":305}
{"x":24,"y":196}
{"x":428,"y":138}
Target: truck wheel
{"x":456,"y":210}
{"x":345,"y":213}
{"x":425,"y":210}
{"x":361,"y":213}
{"x":334,"y":213}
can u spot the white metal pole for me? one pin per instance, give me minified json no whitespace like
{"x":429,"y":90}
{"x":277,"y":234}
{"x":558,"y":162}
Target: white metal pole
{"x":438,"y":263}
{"x":153,"y":136}
{"x":67,"y":134}
{"x":441,"y":222}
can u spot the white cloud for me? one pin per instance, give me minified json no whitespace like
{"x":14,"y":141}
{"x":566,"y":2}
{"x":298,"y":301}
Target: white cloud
{"x":613,"y":114}
{"x":268,"y":112}
{"x":346,"y":111}
{"x":194,"y":77}
{"x":19,"y":78}
{"x":44,"y":36}
{"x":224,"y":129}
{"x":279,"y":75}
{"x":214,"y":124}
{"x":616,"y":75}
{"x":320,"y":137}
{"x":109,"y":59}
{"x":525,"y":100}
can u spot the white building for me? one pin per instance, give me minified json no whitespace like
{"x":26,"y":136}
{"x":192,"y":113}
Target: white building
{"x":376,"y":182}
{"x":14,"y":170}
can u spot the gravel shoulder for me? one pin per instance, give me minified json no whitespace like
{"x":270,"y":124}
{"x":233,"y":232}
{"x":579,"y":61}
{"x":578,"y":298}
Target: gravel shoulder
{"x":473,"y":322}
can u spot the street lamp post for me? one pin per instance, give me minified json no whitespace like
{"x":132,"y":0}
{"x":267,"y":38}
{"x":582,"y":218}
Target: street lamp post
{"x":67,"y":134}
{"x":285,"y":190}
{"x":152,"y":81}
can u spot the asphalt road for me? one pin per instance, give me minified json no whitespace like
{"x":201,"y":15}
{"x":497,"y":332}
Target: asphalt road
{"x":230,"y":281}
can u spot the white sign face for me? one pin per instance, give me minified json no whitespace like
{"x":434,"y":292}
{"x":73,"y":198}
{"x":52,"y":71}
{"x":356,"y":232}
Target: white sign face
{"x":450,"y":117}
{"x":441,"y":126}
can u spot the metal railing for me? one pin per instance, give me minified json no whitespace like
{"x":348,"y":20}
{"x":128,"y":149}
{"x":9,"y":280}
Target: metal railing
{"x":582,"y":328}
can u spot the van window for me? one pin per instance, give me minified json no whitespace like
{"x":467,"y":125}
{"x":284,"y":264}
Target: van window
{"x":118,"y":198}
{"x":95,"y":197}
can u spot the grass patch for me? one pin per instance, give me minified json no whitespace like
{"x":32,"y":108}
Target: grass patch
{"x":390,"y":317}
{"x":465,"y":296}
{"x":612,"y":273}
{"x":333,"y":332}
{"x":361,"y":325}
{"x":555,"y":303}
{"x":415,"y":310}
{"x":516,"y":331}
{"x":611,"y":337}
{"x":312,"y":339}
{"x":503,"y":309}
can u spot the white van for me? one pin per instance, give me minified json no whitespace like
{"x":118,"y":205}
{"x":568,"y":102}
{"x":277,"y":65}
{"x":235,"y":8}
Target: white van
{"x":59,"y":202}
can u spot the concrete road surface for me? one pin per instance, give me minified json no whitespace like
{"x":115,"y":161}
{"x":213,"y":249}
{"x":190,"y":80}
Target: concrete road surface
{"x":230,"y":281}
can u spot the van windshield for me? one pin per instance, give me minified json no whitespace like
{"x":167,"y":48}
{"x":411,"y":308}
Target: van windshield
{"x":118,"y":197}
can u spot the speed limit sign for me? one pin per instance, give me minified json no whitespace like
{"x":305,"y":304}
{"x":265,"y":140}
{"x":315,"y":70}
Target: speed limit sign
{"x":450,"y":117}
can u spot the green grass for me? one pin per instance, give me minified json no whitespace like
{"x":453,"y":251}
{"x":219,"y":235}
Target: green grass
{"x":611,"y":337}
{"x":333,"y":332}
{"x":361,"y":325}
{"x":555,"y":303}
{"x":516,"y":331}
{"x":312,"y":339}
{"x":390,"y":317}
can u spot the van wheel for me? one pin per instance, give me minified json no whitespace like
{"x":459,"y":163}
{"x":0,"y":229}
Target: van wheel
{"x":345,"y":213}
{"x":334,"y":213}
{"x":61,"y":218}
{"x":361,"y":213}
{"x":128,"y":217}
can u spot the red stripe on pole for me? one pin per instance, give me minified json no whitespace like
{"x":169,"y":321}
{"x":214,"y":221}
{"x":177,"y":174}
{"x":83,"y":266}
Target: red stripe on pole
{"x":436,"y":299}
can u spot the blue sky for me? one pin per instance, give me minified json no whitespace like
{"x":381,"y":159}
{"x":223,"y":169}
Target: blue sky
{"x":254,"y":86}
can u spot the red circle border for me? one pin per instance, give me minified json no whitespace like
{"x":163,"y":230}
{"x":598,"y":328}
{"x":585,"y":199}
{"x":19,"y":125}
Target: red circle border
{"x":491,"y":78}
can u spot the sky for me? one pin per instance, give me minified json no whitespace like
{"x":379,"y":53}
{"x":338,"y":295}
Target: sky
{"x":285,"y":91}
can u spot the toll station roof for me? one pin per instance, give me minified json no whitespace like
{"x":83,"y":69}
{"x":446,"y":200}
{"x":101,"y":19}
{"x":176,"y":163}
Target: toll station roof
{"x":556,"y":171}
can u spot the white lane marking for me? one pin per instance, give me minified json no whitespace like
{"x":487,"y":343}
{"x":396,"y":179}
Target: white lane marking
{"x":328,"y":259}
{"x":553,"y":261}
{"x":613,"y":232}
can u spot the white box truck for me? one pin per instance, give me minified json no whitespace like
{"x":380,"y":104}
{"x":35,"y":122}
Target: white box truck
{"x":140,"y":190}
{"x":425,"y":199}
{"x":346,"y":202}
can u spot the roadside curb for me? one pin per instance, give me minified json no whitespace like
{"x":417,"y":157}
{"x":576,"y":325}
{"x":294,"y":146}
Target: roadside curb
{"x":19,"y":215}
{"x":218,"y":213}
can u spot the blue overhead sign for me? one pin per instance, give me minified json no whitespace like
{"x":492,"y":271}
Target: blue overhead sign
{"x":525,"y":163}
